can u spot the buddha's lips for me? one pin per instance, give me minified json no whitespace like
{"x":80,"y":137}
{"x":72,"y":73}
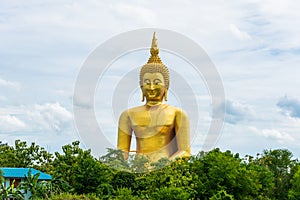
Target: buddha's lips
{"x":151,"y":92}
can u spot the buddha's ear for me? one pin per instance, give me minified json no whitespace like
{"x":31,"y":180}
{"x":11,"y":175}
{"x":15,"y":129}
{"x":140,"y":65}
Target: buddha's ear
{"x":166,"y":94}
{"x":143,"y":95}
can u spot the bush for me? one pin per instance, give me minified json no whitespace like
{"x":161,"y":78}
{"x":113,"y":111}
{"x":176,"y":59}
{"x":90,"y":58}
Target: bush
{"x":171,"y":193}
{"x":222,"y":195}
{"x":68,"y":196}
{"x":125,"y":194}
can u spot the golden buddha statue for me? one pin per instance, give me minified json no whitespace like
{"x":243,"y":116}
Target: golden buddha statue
{"x":161,"y":130}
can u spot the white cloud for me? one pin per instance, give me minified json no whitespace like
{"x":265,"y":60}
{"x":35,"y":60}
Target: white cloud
{"x":289,"y":107}
{"x":135,"y":12}
{"x":281,"y":30}
{"x":236,"y":112}
{"x":245,"y":39}
{"x":3,"y":98}
{"x":9,"y":123}
{"x":280,"y":8}
{"x":83,"y":101}
{"x":241,"y":35}
{"x":50,"y":116}
{"x":279,"y":136}
{"x":9,"y":84}
{"x":36,"y":118}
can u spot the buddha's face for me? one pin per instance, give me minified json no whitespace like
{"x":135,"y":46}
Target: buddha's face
{"x":153,"y":86}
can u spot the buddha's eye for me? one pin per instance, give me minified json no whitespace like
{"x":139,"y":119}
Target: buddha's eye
{"x":147,"y":82}
{"x":156,"y":81}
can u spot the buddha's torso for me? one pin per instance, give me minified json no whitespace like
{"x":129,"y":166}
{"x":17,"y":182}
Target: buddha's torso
{"x":154,"y":129}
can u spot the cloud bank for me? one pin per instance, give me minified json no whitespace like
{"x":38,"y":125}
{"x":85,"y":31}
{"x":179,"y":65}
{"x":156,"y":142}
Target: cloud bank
{"x":36,"y":118}
{"x":236,"y":112}
{"x":289,"y":107}
{"x":273,"y":134}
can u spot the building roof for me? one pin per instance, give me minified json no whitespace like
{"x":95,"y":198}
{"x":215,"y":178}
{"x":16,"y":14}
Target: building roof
{"x":8,"y":172}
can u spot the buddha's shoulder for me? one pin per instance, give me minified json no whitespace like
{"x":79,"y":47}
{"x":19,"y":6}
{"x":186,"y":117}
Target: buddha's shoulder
{"x":143,"y":108}
{"x":177,"y":111}
{"x":134,"y":110}
{"x":174,"y":108}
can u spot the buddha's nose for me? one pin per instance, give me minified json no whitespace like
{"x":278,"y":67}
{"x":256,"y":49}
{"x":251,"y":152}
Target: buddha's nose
{"x":152,"y":86}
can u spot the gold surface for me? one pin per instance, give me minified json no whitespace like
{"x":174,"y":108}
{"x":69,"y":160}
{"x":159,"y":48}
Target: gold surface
{"x":161,"y":130}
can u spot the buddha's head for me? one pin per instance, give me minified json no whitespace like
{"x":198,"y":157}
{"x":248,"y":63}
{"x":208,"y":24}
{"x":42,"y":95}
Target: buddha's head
{"x":154,"y":76}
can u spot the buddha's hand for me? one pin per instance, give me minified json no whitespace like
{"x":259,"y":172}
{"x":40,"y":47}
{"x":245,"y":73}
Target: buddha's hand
{"x":180,"y":154}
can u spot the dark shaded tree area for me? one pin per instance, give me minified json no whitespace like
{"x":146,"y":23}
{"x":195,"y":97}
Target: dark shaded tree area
{"x":273,"y":174}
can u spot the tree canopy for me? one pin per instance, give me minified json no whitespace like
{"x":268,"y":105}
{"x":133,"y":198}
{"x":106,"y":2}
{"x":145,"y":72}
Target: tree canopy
{"x":272,"y":174}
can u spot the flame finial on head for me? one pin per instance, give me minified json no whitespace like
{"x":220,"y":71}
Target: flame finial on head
{"x":154,"y":51}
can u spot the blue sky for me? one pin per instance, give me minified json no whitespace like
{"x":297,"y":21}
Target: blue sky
{"x":254,"y":45}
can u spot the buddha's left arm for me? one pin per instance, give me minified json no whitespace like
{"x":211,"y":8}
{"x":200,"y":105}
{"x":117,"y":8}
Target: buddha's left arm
{"x":124,"y":134}
{"x":182,"y":128}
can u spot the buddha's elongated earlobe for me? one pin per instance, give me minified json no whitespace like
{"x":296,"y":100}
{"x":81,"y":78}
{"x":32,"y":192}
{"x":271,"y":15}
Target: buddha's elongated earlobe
{"x":143,"y":97}
{"x":166,"y":95}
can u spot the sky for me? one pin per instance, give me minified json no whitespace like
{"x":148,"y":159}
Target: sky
{"x":254,"y":45}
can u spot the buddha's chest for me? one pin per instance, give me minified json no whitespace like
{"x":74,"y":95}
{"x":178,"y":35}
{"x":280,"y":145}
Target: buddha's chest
{"x":152,"y":119}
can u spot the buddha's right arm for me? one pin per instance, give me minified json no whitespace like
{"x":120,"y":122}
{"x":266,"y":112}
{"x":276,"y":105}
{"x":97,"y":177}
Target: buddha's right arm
{"x":124,"y":134}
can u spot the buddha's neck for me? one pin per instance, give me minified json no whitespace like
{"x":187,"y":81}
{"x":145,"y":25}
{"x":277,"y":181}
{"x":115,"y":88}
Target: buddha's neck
{"x":153,"y":103}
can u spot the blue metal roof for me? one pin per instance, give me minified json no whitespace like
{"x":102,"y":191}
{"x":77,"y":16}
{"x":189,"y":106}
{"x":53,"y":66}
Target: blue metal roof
{"x":8,"y":172}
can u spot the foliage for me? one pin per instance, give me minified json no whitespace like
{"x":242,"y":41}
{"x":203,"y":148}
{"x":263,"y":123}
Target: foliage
{"x":123,"y":179}
{"x":294,"y":192}
{"x":69,"y":196}
{"x":22,"y":155}
{"x":80,"y":169}
{"x":57,"y":185}
{"x":216,"y":171}
{"x":222,"y":195}
{"x":10,"y":192}
{"x":281,"y":164}
{"x":170,"y":193}
{"x":213,"y":175}
{"x":125,"y":194}
{"x":115,"y":159}
{"x":38,"y":189}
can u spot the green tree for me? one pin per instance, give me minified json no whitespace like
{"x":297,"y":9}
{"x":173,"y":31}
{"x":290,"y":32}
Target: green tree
{"x":263,"y":179}
{"x":68,"y":196}
{"x":222,"y":195}
{"x":170,"y":193}
{"x":140,"y":164}
{"x":123,"y":179}
{"x":115,"y":159}
{"x":22,"y":155}
{"x":57,"y":185}
{"x":217,"y":171}
{"x":38,"y":189}
{"x":281,"y":164}
{"x":11,"y":192}
{"x":175,"y":177}
{"x":81,"y":170}
{"x":7,"y":155}
{"x":294,"y":192}
{"x":125,"y":194}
